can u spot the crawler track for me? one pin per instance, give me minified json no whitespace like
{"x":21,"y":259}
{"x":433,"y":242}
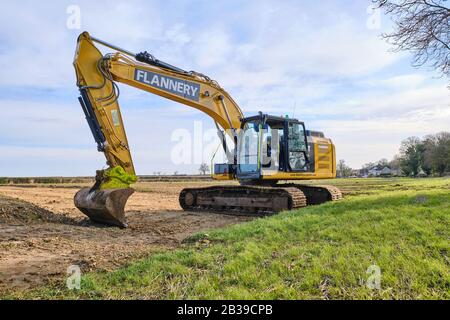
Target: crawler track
{"x":317,"y":194}
{"x":256,"y":200}
{"x":245,"y":200}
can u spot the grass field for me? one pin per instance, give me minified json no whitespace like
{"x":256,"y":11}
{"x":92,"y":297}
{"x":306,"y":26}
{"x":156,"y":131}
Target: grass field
{"x":331,"y":251}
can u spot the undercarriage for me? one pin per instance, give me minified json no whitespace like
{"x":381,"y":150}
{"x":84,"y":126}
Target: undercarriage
{"x":256,"y":200}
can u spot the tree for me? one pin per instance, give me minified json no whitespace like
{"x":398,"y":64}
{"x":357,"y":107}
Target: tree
{"x":411,"y":156}
{"x":383,"y":163}
{"x":437,"y":152}
{"x":342,"y":170}
{"x":369,"y":165}
{"x":204,"y":168}
{"x":394,"y":164}
{"x":422,"y":27}
{"x":424,"y":165}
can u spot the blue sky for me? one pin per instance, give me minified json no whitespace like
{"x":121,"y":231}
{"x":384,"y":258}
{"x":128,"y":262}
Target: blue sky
{"x":317,"y":61}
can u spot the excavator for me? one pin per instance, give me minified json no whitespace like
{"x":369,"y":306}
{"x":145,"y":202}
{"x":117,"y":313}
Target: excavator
{"x":266,"y":154}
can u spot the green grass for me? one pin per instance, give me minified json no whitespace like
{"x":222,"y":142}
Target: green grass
{"x":320,"y":252}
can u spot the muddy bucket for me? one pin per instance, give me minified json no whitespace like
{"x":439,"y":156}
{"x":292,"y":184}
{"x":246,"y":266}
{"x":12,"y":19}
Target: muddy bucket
{"x":104,"y":206}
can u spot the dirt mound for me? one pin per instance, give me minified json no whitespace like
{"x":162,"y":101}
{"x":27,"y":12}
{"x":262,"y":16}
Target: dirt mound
{"x":14,"y":210}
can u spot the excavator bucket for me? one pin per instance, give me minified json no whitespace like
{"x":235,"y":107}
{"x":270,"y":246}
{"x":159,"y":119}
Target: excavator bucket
{"x":105,"y":206}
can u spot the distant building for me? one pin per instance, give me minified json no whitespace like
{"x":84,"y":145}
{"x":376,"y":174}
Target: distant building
{"x":397,"y":172}
{"x":386,"y":171}
{"x":355,"y":173}
{"x":380,"y":171}
{"x":421,"y":174}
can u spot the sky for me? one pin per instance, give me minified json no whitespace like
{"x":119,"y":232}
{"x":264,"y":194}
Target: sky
{"x":322,"y":62}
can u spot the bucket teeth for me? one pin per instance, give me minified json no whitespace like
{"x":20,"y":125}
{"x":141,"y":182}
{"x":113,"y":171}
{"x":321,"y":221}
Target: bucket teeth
{"x":104,"y":206}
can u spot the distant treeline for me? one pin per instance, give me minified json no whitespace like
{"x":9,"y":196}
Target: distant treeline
{"x":60,"y":180}
{"x":427,"y":156}
{"x":430,"y":155}
{"x":49,"y":180}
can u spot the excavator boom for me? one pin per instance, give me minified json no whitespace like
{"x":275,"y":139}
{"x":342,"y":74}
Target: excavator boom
{"x":96,"y":79}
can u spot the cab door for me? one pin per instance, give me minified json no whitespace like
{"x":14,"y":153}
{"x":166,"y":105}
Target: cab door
{"x":297,"y":147}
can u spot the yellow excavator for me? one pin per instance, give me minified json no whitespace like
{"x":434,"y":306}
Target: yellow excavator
{"x":261,"y":150}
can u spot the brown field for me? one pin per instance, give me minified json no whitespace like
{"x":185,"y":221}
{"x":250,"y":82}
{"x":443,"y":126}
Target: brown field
{"x":42,"y":233}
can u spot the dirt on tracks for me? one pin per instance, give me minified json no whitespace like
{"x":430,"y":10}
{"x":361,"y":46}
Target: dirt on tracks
{"x":42,"y":233}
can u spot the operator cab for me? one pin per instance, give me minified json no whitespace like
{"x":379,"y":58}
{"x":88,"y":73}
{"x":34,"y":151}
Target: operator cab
{"x":270,"y":144}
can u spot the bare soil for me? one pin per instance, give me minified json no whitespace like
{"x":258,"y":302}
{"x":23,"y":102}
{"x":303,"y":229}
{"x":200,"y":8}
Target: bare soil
{"x":42,"y":233}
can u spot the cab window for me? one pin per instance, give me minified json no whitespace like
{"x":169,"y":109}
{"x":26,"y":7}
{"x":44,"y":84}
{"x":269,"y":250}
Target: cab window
{"x":249,"y":144}
{"x":297,"y":147}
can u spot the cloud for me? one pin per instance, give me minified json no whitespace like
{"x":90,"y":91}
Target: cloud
{"x":40,"y":47}
{"x":378,"y":135}
{"x":317,"y":60}
{"x":399,"y":102}
{"x":405,"y":80}
{"x":41,"y":123}
{"x":279,"y":43}
{"x":211,"y":48}
{"x":47,"y":138}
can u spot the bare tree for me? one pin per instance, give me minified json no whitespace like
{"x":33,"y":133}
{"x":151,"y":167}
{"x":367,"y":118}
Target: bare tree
{"x":204,"y":168}
{"x":422,"y":27}
{"x":383,"y":162}
{"x":342,"y":170}
{"x":394,"y":164}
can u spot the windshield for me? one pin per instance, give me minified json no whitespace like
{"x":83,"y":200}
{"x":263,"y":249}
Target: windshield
{"x":248,"y":149}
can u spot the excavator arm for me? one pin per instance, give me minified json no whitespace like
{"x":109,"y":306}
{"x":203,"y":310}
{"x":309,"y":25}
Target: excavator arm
{"x":97,"y":75}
